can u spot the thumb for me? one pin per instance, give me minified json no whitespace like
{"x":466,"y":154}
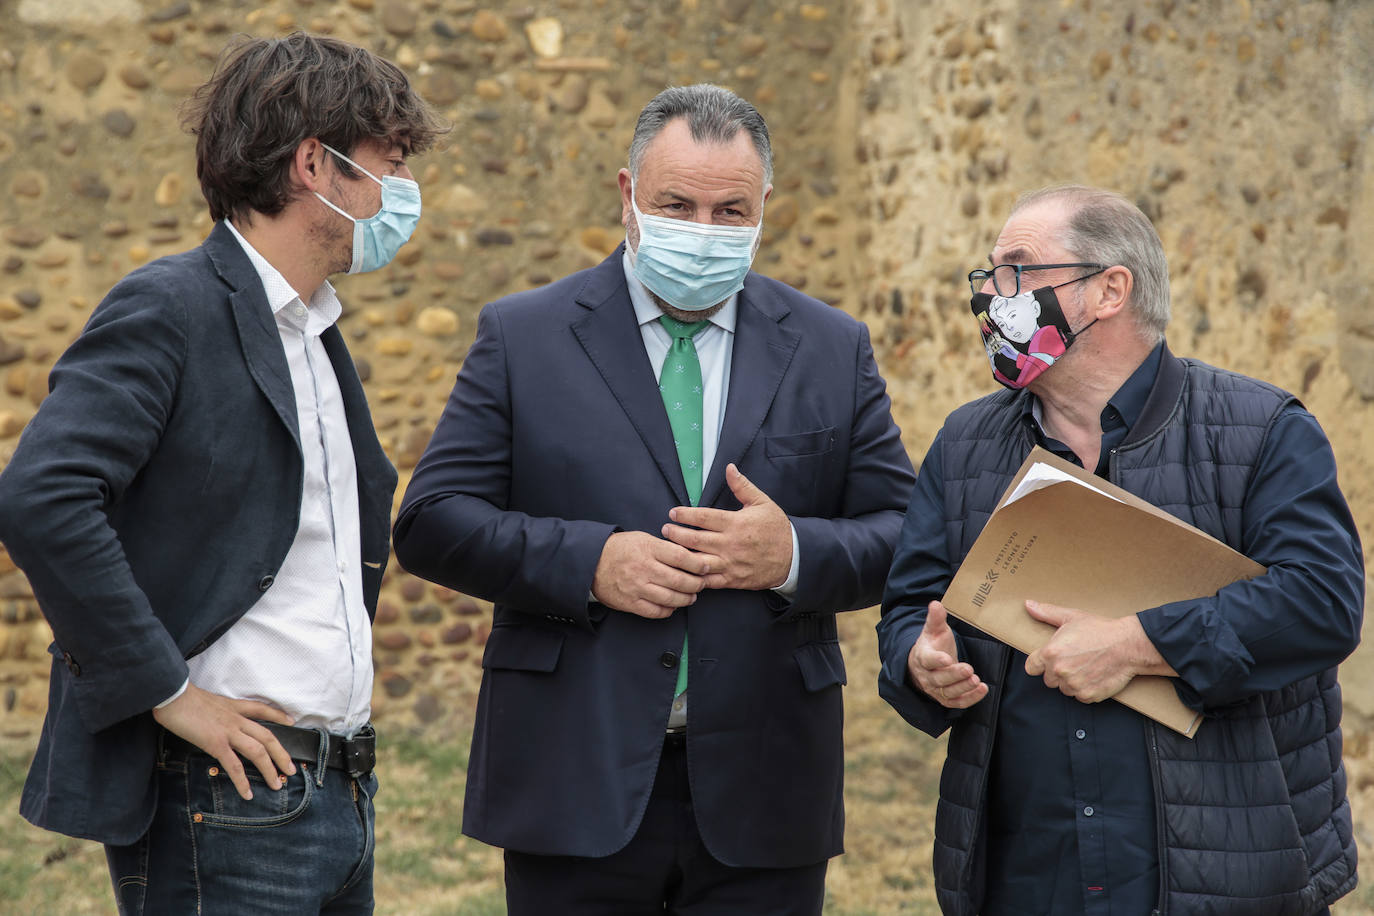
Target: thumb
{"x":937,"y":620}
{"x":744,"y":490}
{"x":1052,"y":614}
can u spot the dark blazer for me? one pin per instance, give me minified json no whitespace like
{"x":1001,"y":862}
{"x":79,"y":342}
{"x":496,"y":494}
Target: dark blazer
{"x":150,"y":502}
{"x":554,"y":437}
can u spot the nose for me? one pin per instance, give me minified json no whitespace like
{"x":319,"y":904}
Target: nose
{"x":404,"y":172}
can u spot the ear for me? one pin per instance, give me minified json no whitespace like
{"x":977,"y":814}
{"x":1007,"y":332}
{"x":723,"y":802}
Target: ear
{"x":308,"y":164}
{"x":767,"y":193}
{"x":626,"y":189}
{"x":1114,"y":291}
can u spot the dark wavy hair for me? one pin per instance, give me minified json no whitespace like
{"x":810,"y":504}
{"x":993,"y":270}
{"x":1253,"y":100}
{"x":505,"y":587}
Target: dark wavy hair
{"x":268,"y":95}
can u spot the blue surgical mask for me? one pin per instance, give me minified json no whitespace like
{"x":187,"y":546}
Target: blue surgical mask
{"x":691,"y":266}
{"x":377,"y":238}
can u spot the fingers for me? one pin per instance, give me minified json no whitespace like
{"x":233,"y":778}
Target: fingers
{"x":962,"y":695}
{"x":1052,"y":614}
{"x":934,"y":666}
{"x":251,"y":710}
{"x":642,"y":608}
{"x":233,"y":768}
{"x":696,"y":517}
{"x":682,"y":559}
{"x":744,"y":490}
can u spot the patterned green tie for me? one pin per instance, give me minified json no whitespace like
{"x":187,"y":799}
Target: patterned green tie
{"x":680,"y":384}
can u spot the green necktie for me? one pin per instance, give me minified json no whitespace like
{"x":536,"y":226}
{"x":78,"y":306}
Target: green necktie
{"x":680,"y":384}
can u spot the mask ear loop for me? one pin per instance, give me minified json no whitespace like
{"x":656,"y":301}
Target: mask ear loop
{"x":1073,"y":335}
{"x":329,"y":203}
{"x":350,"y":162}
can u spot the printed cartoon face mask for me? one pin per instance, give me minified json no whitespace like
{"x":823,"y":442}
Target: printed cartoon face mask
{"x":1023,"y":334}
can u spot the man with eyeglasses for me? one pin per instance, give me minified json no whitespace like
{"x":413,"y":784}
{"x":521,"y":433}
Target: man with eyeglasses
{"x":1051,"y":800}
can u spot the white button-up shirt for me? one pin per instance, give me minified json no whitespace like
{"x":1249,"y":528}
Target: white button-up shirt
{"x":306,"y":645}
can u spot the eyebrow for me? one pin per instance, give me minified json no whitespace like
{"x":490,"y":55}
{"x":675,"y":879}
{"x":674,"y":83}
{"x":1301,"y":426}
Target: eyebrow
{"x":1013,"y":256}
{"x":735,"y":201}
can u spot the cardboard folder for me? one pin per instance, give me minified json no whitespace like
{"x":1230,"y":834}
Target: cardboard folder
{"x":1077,"y":541}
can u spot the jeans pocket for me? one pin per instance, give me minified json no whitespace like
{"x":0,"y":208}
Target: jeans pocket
{"x":216,"y":803}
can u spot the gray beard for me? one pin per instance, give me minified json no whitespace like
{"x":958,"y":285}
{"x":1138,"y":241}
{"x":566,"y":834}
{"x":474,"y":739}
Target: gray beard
{"x":673,"y":312}
{"x":683,"y":315}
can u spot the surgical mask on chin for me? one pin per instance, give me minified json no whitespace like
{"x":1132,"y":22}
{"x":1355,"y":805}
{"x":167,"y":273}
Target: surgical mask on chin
{"x":377,"y":238}
{"x":1023,"y":335}
{"x":691,"y":266}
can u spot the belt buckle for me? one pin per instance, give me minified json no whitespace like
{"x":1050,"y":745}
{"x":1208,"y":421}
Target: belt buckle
{"x":360,"y":753}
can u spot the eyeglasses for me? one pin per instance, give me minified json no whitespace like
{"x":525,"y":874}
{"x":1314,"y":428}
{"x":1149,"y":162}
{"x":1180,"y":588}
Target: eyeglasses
{"x":1006,"y":278}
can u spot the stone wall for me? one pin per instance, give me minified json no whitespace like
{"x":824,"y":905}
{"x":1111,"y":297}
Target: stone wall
{"x":96,"y":177}
{"x":903,"y":131}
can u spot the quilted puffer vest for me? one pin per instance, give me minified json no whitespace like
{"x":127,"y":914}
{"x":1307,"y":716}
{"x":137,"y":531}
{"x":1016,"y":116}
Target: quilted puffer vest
{"x":1252,"y":813}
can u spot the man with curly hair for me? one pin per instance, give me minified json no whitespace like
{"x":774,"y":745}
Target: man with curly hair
{"x":201,"y":506}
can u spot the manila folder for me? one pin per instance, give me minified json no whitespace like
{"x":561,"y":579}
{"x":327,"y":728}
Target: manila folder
{"x":1067,"y":537}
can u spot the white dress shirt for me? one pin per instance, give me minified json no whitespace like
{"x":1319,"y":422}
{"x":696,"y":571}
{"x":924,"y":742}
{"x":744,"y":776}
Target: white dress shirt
{"x":306,"y":645}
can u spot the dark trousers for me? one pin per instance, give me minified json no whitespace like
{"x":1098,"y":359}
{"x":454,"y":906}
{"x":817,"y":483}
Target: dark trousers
{"x":665,"y":868}
{"x":304,"y":848}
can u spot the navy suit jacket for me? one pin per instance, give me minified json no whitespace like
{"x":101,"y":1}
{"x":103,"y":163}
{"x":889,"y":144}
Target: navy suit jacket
{"x":554,"y":437}
{"x":150,"y":502}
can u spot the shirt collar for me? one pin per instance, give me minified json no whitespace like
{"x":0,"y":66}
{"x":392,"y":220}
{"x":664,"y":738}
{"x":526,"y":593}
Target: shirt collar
{"x":1127,"y":404}
{"x":646,"y":310}
{"x":325,"y":307}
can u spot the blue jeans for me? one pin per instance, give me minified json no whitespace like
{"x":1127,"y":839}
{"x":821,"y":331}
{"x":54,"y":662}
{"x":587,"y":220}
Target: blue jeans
{"x":306,"y":848}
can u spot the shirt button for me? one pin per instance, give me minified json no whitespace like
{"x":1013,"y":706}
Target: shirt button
{"x":265,"y":583}
{"x":343,"y":566}
{"x":668,"y":659}
{"x":677,"y":704}
{"x":1088,"y":811}
{"x":300,"y":311}
{"x":1080,"y":734}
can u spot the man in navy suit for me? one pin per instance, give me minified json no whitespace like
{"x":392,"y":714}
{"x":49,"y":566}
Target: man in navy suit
{"x":668,"y":473}
{"x":201,"y":506}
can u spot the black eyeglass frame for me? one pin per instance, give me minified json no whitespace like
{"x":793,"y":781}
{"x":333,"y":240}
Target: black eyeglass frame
{"x":979,"y":275}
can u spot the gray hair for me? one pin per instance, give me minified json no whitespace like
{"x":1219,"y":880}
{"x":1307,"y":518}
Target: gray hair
{"x":714,"y":115}
{"x":1106,"y":228}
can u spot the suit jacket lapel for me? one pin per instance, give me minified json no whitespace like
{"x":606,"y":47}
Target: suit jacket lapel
{"x":614,"y":344}
{"x":762,"y":352}
{"x":258,"y":334}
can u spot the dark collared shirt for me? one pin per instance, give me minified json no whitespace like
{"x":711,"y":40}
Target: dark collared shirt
{"x":1071,"y":819}
{"x":1071,"y":811}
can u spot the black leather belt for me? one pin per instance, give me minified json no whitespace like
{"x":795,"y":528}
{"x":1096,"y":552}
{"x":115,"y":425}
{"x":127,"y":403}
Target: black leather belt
{"x":356,"y":756}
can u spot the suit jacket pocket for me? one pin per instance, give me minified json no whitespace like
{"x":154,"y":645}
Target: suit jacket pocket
{"x":520,"y":648}
{"x":821,"y":665}
{"x":795,"y":445}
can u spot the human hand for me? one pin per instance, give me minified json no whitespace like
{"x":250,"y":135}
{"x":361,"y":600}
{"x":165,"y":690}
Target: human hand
{"x":749,"y":547}
{"x":933,"y":664}
{"x":647,"y":576}
{"x":224,"y":729}
{"x":1091,"y":658}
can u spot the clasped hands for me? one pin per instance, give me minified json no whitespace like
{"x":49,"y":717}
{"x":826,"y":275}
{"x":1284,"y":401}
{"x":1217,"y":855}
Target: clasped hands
{"x":1089,"y":658}
{"x":747,"y":548}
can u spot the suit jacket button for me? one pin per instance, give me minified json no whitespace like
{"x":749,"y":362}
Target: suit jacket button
{"x":668,"y":659}
{"x":265,"y":583}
